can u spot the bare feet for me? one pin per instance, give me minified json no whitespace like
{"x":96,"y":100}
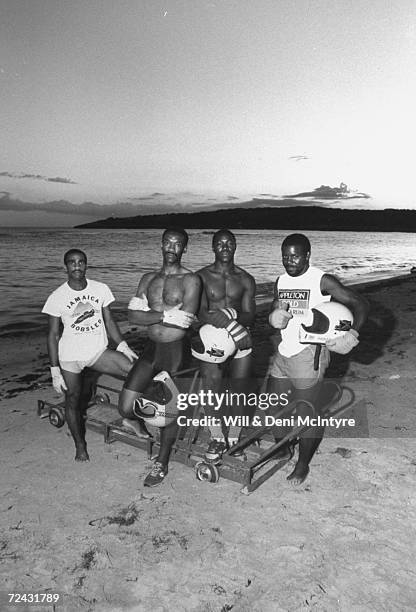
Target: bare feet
{"x":81,"y":453}
{"x":137,"y":427}
{"x":299,"y":475}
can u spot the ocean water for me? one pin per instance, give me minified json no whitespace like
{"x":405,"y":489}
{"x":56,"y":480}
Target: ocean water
{"x":31,"y":265}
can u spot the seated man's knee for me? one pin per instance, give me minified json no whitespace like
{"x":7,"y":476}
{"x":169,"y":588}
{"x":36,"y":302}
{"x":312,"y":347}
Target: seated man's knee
{"x":126,"y":402}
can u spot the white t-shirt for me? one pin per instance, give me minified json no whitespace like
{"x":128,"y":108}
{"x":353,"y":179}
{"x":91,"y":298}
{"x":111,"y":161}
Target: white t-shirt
{"x":84,"y":334}
{"x":302,"y":293}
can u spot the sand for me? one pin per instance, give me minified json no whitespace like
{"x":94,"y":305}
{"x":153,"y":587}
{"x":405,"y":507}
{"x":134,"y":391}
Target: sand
{"x":344,"y":540}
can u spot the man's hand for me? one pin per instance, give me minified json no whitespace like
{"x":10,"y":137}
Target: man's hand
{"x":343,"y":344}
{"x":58,"y":382}
{"x":177,"y":317}
{"x":240,"y":335}
{"x":280,"y":317}
{"x":124,"y":348}
{"x":139,"y":303}
{"x":221,"y":318}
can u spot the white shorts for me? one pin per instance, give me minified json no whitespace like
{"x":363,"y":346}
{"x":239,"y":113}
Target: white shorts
{"x":76,"y":367}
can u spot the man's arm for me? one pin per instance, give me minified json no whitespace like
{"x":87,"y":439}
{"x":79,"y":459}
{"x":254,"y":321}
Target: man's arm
{"x":53,"y":339}
{"x":143,"y":315}
{"x":275,"y":302}
{"x":192,"y":293}
{"x":58,"y":382}
{"x":248,"y":303}
{"x":204,"y":312}
{"x":356,"y":303}
{"x":359,"y":306}
{"x":279,"y":315}
{"x":114,"y":333}
{"x":179,"y":316}
{"x":111,"y":326}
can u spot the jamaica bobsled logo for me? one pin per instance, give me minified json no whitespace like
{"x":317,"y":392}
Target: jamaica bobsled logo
{"x":83,"y":312}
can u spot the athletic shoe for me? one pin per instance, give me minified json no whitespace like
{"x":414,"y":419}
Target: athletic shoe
{"x":156,"y":474}
{"x":215,"y":450}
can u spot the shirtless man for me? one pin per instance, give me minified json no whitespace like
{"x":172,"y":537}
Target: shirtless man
{"x":295,"y":293}
{"x":227,"y":302}
{"x":83,"y":307}
{"x":166,"y":302}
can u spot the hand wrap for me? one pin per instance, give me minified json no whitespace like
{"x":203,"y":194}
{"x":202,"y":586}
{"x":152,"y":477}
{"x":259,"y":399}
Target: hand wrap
{"x":139,"y":303}
{"x":343,"y":344}
{"x":177,"y":317}
{"x":58,"y":381}
{"x":124,"y":348}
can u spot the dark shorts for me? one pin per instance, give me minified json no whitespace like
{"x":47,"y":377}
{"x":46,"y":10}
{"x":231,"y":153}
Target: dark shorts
{"x":156,"y":357}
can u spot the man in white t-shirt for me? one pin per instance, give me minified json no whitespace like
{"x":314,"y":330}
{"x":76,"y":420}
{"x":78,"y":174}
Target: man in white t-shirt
{"x":82,"y":306}
{"x":295,"y":293}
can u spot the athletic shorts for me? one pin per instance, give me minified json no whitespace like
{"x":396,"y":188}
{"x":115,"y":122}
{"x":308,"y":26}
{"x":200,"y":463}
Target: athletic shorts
{"x":299,"y":368}
{"x":156,"y":357}
{"x":77,"y":366}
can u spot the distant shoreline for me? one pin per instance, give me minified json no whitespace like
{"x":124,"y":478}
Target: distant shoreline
{"x":266,"y":217}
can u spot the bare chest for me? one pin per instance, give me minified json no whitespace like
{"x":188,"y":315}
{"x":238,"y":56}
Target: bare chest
{"x":165,"y":291}
{"x":225,"y":288}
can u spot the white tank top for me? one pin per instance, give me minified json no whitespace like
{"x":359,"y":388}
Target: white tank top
{"x":302,"y":293}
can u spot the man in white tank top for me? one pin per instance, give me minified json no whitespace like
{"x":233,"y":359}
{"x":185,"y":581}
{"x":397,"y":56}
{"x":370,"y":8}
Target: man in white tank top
{"x":297,"y":291}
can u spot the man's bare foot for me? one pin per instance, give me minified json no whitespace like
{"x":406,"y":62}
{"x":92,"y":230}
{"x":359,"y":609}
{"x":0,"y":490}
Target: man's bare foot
{"x":299,"y":475}
{"x":81,"y":453}
{"x":136,"y":426}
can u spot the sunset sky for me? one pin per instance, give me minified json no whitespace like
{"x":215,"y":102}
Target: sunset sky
{"x":192,"y":102}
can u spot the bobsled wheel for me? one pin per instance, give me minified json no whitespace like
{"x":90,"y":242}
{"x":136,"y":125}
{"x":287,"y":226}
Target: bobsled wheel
{"x":102,"y":398}
{"x":207,"y":472}
{"x":56,"y":417}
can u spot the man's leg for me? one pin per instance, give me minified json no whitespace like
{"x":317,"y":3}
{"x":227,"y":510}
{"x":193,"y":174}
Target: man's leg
{"x":241,"y":385}
{"x":308,"y":443}
{"x":113,"y":363}
{"x":167,"y":357}
{"x":212,"y":380}
{"x":307,"y":381}
{"x":137,"y":380}
{"x":88,"y":389}
{"x":280,"y":387}
{"x":73,"y":413}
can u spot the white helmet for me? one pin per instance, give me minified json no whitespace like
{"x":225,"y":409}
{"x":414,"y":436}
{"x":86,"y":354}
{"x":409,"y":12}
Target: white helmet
{"x":329,"y":320}
{"x":157,"y":406}
{"x":213,"y":344}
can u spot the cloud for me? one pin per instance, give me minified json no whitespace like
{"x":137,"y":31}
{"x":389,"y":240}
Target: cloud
{"x":89,"y":209}
{"x":59,"y":179}
{"x":38,"y":177}
{"x":324,"y":192}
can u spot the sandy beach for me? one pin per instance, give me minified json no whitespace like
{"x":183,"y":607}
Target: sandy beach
{"x":344,"y":540}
